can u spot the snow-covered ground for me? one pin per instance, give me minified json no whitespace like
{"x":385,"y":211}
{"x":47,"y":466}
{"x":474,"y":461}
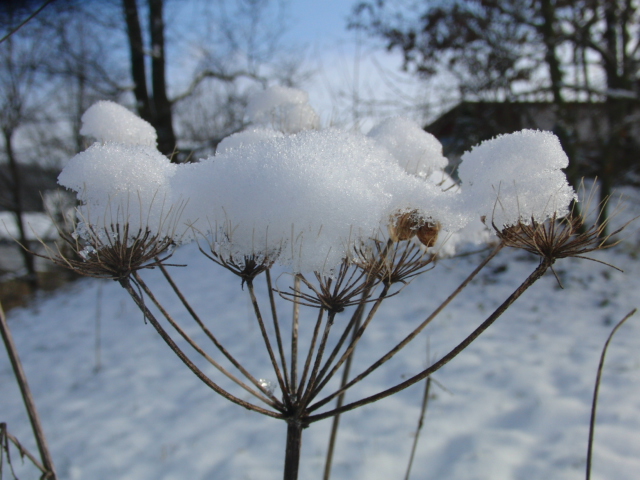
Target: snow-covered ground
{"x":516,"y":404}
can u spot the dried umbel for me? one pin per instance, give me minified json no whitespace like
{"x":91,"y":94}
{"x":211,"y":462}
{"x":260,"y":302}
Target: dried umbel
{"x":428,"y":234}
{"x":406,"y":225}
{"x":335,"y":293}
{"x":556,"y":238}
{"x":393,"y":262}
{"x":115,"y":252}
{"x":402,"y":226}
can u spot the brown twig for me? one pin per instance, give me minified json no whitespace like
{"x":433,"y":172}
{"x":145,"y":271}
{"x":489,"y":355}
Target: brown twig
{"x":126,"y":284}
{"x":21,"y":449}
{"x":27,"y":397}
{"x":423,"y":411}
{"x":271,"y":401}
{"x":276,"y":326}
{"x":594,"y":404}
{"x":213,"y":338}
{"x":335,"y":424}
{"x":274,"y":362}
{"x":295,"y":320}
{"x":312,"y":346}
{"x":414,"y":333}
{"x":537,"y":273}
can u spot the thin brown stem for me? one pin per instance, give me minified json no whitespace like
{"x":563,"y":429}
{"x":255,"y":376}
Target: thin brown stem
{"x":27,"y":397}
{"x":295,"y":320}
{"x":537,"y":273}
{"x":423,"y":411}
{"x":272,"y":401}
{"x":292,"y":450}
{"x":276,"y":326}
{"x":307,"y":363}
{"x":126,"y":284}
{"x":415,"y":332}
{"x":335,"y":424}
{"x":596,"y":390}
{"x":212,"y":337}
{"x":316,"y":366}
{"x":23,"y":451}
{"x":354,"y":324}
{"x":256,"y":308}
{"x":354,"y":341}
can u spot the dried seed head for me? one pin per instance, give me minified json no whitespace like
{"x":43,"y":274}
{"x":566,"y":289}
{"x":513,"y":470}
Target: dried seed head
{"x":556,"y":238}
{"x":114,"y":252}
{"x":347,"y":288}
{"x":393,"y":262}
{"x":403,"y":225}
{"x":428,"y":234}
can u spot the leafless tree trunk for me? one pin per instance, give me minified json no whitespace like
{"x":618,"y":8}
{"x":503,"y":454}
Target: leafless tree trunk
{"x":153,"y":106}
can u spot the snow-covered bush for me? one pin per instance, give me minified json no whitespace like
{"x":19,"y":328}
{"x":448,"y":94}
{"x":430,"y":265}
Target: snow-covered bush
{"x":351,"y":217}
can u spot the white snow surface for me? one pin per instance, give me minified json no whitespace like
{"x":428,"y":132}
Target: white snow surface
{"x":122,"y":184}
{"x":305,"y":197}
{"x":415,"y":150}
{"x":516,"y":177}
{"x":516,"y":404}
{"x":107,"y":121}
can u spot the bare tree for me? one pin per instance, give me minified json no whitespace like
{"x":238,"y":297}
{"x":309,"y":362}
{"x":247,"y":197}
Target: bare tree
{"x":21,"y":55}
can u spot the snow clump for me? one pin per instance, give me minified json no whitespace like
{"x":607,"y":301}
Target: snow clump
{"x":109,"y":122}
{"x":516,"y":178}
{"x":415,"y":150}
{"x":308,"y":199}
{"x":122,"y":184}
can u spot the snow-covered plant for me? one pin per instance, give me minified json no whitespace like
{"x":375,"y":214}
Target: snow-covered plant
{"x":351,"y":217}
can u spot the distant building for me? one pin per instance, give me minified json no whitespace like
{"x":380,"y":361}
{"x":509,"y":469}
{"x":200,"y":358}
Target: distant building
{"x":587,"y":132}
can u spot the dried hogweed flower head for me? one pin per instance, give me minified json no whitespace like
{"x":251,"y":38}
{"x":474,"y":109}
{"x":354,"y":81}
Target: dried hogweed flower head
{"x":116,"y":252}
{"x":406,"y":225}
{"x":569,"y":236}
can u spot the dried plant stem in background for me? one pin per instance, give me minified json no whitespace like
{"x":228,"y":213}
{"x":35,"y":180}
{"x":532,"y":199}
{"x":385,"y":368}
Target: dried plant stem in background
{"x":335,"y":424}
{"x":29,"y":403}
{"x":423,"y":411}
{"x":592,"y":421}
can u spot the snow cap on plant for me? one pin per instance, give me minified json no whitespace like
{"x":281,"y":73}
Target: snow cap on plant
{"x":123,"y":184}
{"x":516,"y":178}
{"x":109,"y":122}
{"x":311,"y":196}
{"x":415,"y":150}
{"x":282,"y":108}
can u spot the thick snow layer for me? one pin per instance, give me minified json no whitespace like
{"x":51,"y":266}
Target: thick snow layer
{"x":516,"y":177}
{"x":109,"y":122}
{"x":309,"y":196}
{"x":516,"y":404}
{"x":415,"y":150}
{"x":123,"y":184}
{"x":245,"y":137}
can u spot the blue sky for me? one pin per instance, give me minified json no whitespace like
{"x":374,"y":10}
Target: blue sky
{"x":318,"y":20}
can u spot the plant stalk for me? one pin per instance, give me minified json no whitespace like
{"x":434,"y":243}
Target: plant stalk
{"x":293,"y":449}
{"x":29,"y":403}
